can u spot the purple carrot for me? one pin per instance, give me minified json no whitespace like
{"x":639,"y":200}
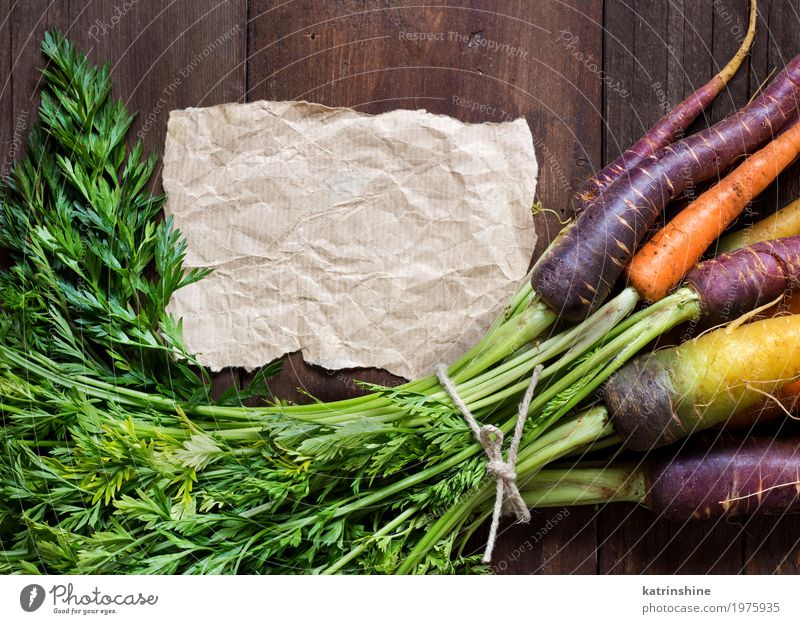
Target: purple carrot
{"x":731,"y":479}
{"x":669,"y":127}
{"x":743,"y":280}
{"x":578,"y":271}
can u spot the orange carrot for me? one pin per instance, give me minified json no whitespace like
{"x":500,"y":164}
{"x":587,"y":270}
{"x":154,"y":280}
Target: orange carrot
{"x":663,"y":261}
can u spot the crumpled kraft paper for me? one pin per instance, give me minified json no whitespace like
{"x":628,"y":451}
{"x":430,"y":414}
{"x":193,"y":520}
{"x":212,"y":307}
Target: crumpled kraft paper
{"x":387,"y":240}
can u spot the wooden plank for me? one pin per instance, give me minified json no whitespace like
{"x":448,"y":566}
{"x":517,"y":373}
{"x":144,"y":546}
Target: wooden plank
{"x":12,"y":131}
{"x":730,"y":24}
{"x":557,"y":541}
{"x":9,"y":145}
{"x":166,"y":56}
{"x":690,"y":58}
{"x":783,"y":43}
{"x":29,"y":21}
{"x":570,"y":546}
{"x":225,"y":380}
{"x":776,"y":32}
{"x":401,"y":55}
{"x":772,"y":546}
{"x":634,"y":541}
{"x":23,"y":27}
{"x":636,"y":61}
{"x":163,"y":56}
{"x":301,"y":382}
{"x":765,"y":61}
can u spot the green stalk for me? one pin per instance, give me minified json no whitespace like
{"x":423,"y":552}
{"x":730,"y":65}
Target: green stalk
{"x":585,"y":486}
{"x":414,"y":479}
{"x":620,"y":343}
{"x":40,"y":443}
{"x":572,"y":343}
{"x":10,"y":409}
{"x":597,"y":445}
{"x":567,"y":487}
{"x":469,"y":451}
{"x":522,"y":329}
{"x":524,"y":295}
{"x":497,"y":345}
{"x":614,"y":354}
{"x":553,"y":445}
{"x":507,"y":338}
{"x":516,"y":332}
{"x":479,"y":387}
{"x":576,"y":342}
{"x":514,"y":328}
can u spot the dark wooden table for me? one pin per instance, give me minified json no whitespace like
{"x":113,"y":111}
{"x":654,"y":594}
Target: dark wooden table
{"x":589,"y":76}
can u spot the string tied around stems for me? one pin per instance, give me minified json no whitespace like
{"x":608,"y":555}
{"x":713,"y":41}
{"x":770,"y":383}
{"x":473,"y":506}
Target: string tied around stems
{"x":507,"y":500}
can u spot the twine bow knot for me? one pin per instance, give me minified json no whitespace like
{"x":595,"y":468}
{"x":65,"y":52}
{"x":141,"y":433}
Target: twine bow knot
{"x":507,"y":496}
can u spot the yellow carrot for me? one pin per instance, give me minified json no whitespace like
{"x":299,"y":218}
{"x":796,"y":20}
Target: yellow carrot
{"x":660,"y":397}
{"x":785,"y":222}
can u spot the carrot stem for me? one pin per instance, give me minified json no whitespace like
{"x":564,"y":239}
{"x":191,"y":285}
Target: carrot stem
{"x":733,"y":65}
{"x":585,"y":486}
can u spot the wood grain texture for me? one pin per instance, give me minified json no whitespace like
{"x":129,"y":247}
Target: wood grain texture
{"x":690,"y":58}
{"x":779,"y":42}
{"x":772,"y":546}
{"x":301,"y":382}
{"x":636,"y":59}
{"x":557,"y":541}
{"x":584,"y":73}
{"x":729,"y":24}
{"x":369,"y":56}
{"x":29,"y":21}
{"x":166,"y":55}
{"x":634,"y":541}
{"x":8,"y":145}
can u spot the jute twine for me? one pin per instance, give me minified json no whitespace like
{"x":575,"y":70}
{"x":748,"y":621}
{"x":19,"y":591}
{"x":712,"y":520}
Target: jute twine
{"x":507,"y":497}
